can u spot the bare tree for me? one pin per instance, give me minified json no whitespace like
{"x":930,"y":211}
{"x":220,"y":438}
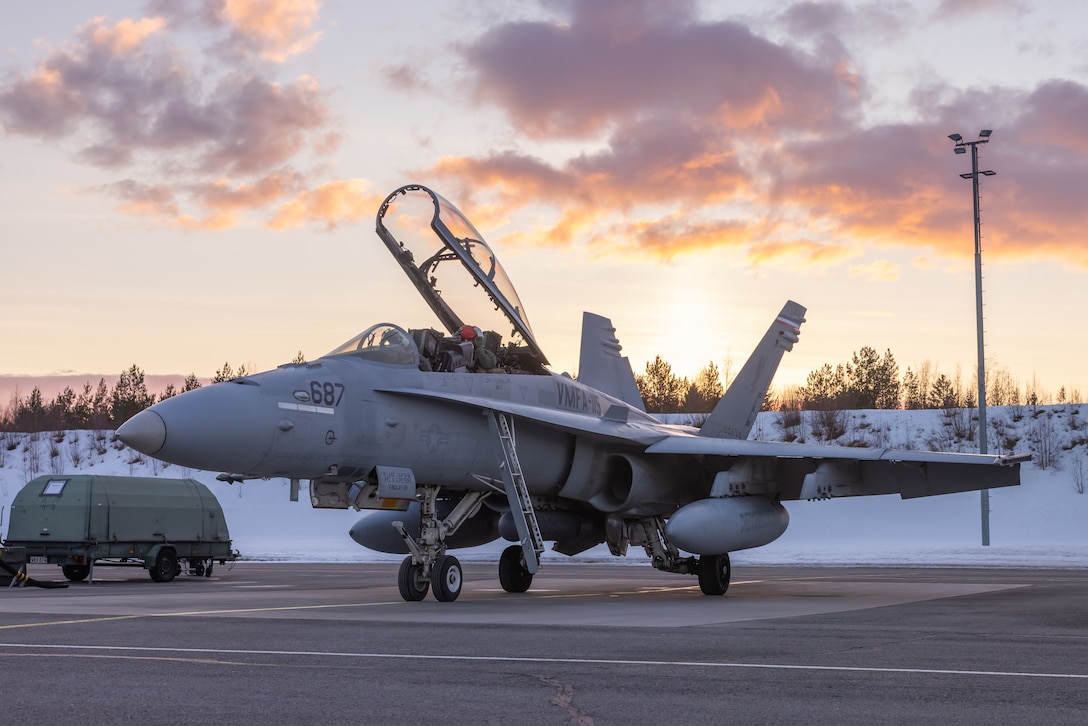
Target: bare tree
{"x":1043,"y":439}
{"x":1076,"y":470}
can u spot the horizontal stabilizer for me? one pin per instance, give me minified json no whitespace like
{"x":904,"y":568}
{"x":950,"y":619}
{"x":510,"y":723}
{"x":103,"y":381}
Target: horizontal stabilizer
{"x":734,"y":415}
{"x":600,"y":364}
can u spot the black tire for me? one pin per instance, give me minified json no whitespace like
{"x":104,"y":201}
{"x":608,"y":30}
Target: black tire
{"x":196,"y":567}
{"x":75,"y":573}
{"x":413,"y":588}
{"x":714,"y":573}
{"x":166,"y":566}
{"x":446,"y":579}
{"x":513,"y":575}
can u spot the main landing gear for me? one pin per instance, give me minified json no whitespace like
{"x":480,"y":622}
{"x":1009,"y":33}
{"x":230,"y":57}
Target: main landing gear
{"x":714,"y":571}
{"x":514,"y":575}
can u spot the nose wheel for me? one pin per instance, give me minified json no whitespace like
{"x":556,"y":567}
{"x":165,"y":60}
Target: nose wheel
{"x":446,"y":579}
{"x":413,"y":585}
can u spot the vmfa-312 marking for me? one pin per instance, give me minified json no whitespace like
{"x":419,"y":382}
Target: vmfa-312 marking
{"x":459,"y":435}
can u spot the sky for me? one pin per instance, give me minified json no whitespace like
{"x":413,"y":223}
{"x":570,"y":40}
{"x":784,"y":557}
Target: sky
{"x":187,"y":183}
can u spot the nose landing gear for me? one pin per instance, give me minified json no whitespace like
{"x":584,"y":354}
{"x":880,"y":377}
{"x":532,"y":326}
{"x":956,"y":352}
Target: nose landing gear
{"x":429,"y":567}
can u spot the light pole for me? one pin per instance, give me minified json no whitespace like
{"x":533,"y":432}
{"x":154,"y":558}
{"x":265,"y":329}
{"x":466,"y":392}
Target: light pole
{"x":961,"y":148}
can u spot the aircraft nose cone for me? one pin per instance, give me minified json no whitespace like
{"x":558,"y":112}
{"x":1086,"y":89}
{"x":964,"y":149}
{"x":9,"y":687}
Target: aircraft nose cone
{"x":225,"y":427}
{"x":145,"y":432}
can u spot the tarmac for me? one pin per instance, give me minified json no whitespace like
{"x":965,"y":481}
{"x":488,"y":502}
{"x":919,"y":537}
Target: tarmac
{"x":295,"y":643}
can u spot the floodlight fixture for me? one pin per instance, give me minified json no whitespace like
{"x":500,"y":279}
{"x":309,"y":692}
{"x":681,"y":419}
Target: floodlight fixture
{"x":955,"y":137}
{"x":960,"y":149}
{"x":984,"y":134}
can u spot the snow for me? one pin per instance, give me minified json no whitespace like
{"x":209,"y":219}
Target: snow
{"x":1038,"y":524}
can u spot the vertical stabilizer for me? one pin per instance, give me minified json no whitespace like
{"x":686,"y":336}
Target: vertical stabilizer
{"x":600,"y":364}
{"x":734,"y":415}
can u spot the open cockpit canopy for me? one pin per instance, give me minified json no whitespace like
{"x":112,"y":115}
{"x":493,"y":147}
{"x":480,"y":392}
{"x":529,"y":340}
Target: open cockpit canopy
{"x":454,"y":270}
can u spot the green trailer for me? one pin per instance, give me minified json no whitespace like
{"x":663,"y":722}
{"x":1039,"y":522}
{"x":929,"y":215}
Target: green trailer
{"x":77,"y":521}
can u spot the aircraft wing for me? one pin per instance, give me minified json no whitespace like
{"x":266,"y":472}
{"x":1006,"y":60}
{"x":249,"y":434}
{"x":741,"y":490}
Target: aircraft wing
{"x":806,"y":471}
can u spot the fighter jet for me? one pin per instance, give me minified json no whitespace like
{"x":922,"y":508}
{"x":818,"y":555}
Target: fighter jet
{"x":459,"y":435}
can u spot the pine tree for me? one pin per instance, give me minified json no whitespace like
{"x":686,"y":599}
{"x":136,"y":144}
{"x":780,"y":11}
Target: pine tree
{"x":129,"y":396}
{"x":825,"y":388}
{"x":62,"y":409}
{"x":225,"y":373}
{"x":82,"y":410}
{"x":30,"y":414}
{"x":705,"y":391}
{"x":943,"y":393}
{"x":100,"y":406}
{"x":661,"y":390}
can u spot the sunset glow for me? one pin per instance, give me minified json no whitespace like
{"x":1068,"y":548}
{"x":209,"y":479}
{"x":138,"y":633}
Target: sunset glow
{"x":185,"y":183}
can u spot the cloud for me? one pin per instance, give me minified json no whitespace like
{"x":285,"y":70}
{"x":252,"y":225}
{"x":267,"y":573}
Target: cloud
{"x":330,"y":204}
{"x":132,"y":100}
{"x":579,"y":78}
{"x":704,"y":134}
{"x":878,"y":271}
{"x":271,"y":30}
{"x":153,"y":200}
{"x":679,"y":111}
{"x":958,"y":9}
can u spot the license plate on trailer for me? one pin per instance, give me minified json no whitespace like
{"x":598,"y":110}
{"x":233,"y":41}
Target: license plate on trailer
{"x":39,"y":560}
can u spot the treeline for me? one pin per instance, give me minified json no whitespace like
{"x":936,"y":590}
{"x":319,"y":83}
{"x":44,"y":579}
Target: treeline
{"x":95,"y":407}
{"x":868,"y":380}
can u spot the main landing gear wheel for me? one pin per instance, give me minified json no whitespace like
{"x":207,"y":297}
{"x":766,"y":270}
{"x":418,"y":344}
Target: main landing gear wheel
{"x":714,"y":571}
{"x":513,"y":575}
{"x":446,"y":579}
{"x":413,"y":587}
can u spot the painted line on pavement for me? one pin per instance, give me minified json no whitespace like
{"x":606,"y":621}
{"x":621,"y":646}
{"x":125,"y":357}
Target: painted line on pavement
{"x":560,"y":661}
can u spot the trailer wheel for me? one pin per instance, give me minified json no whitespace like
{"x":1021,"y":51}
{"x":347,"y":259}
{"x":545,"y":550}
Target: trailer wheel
{"x":76,"y":573}
{"x":166,"y":566}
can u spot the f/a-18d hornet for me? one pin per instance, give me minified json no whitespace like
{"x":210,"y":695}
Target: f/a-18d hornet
{"x":460,"y":435}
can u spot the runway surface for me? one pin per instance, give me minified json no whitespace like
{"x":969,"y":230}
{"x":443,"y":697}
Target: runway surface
{"x":588,"y":644}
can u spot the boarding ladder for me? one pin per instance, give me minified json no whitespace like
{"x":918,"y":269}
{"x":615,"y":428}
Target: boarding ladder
{"x":517,"y":492}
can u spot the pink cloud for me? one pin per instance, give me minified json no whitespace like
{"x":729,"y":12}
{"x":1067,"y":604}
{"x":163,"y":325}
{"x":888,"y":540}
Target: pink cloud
{"x":231,"y":141}
{"x":271,"y":30}
{"x":576,"y":79}
{"x":695,"y":120}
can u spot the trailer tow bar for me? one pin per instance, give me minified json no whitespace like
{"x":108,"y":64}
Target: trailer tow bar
{"x":21,"y":577}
